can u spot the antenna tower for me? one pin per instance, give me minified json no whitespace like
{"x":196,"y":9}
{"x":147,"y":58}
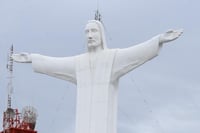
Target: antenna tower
{"x":10,"y":77}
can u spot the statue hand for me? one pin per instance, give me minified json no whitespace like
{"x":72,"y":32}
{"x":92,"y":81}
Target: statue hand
{"x":22,"y":58}
{"x":170,"y":35}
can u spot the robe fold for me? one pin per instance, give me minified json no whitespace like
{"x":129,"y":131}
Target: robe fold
{"x":94,"y":92}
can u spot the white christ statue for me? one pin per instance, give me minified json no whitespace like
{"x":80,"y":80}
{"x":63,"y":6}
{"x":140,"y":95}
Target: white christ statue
{"x":96,"y":74}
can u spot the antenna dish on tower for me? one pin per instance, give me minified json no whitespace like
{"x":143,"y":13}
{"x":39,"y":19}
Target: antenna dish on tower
{"x":29,"y":116}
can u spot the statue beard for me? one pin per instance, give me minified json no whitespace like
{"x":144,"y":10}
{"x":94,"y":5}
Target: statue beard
{"x":93,"y":45}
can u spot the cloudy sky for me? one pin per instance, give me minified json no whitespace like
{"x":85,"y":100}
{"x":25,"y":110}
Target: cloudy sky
{"x":162,"y":96}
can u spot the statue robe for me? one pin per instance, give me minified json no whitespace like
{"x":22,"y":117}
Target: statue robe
{"x":97,"y":76}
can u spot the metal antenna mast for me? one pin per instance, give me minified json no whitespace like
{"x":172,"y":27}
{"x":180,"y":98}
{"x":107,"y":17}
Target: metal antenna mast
{"x":10,"y":77}
{"x":97,"y":16}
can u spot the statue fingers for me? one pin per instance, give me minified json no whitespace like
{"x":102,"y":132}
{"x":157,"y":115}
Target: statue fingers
{"x":15,"y":57}
{"x":170,"y":31}
{"x":180,"y":30}
{"x":21,"y":57}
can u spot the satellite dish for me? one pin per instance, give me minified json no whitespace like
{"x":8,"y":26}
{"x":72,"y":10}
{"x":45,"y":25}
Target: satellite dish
{"x":29,"y":114}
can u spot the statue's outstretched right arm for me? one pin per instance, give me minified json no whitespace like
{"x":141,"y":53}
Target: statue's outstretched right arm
{"x":59,"y":67}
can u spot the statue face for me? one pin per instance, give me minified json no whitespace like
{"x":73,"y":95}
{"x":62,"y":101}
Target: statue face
{"x":93,"y":35}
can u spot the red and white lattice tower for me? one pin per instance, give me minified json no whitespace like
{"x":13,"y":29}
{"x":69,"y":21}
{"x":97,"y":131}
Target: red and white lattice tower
{"x":13,"y":120}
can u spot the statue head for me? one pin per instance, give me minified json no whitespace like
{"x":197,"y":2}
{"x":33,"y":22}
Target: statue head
{"x":95,"y":35}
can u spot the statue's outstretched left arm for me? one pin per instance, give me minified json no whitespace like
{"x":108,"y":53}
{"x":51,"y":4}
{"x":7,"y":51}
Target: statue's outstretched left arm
{"x":129,"y":58}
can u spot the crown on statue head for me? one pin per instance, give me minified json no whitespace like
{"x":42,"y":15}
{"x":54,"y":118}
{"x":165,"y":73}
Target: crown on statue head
{"x":97,"y":16}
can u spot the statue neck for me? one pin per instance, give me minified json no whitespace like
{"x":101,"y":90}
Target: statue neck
{"x":96,"y":49}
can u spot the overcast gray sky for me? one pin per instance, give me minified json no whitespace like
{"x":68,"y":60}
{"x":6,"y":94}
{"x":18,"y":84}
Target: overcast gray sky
{"x":162,"y":96}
